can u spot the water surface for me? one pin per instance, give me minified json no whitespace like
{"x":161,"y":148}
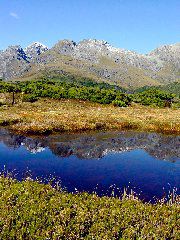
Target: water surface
{"x":149,"y":163}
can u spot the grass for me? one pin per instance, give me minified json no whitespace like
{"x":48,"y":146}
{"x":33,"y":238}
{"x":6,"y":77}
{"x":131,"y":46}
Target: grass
{"x":32,"y":210}
{"x":46,"y":116}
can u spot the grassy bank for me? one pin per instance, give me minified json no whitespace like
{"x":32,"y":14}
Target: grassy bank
{"x":47,"y":115}
{"x":30,"y":210}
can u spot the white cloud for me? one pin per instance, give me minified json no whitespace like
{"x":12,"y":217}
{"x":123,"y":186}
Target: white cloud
{"x":14,"y":15}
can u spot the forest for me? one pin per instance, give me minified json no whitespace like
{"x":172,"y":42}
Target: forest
{"x":68,"y":87}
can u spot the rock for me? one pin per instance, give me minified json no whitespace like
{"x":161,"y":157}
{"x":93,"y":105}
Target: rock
{"x":35,"y":49}
{"x":64,"y":47}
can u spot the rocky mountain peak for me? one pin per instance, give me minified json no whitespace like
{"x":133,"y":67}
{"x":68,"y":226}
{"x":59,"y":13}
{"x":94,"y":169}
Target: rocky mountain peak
{"x":13,"y":62}
{"x":169,"y":53}
{"x":64,"y":47}
{"x":14,"y":52}
{"x":93,"y":42}
{"x":91,"y":49}
{"x":93,"y":45}
{"x":35,"y":49}
{"x":96,"y":58}
{"x":13,"y":48}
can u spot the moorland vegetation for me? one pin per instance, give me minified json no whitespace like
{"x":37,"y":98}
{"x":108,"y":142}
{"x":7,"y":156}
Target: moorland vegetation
{"x":32,"y":210}
{"x":78,"y":104}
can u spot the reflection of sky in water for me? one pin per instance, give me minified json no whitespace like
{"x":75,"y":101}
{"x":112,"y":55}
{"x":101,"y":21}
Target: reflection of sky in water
{"x":83,"y":161}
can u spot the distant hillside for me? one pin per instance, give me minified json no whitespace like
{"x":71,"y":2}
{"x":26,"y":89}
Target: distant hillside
{"x":95,"y":59}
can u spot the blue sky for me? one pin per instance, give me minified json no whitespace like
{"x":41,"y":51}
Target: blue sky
{"x":139,"y":25}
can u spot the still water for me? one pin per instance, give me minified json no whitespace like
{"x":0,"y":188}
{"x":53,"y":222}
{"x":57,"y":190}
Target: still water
{"x":148,"y":163}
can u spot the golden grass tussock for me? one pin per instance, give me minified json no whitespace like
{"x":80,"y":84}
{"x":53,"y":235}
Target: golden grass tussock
{"x":48,"y":115}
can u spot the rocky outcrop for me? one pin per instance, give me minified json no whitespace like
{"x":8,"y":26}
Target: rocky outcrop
{"x":34,"y":50}
{"x":94,"y":50}
{"x":13,"y":62}
{"x":64,"y":47}
{"x":167,"y":54}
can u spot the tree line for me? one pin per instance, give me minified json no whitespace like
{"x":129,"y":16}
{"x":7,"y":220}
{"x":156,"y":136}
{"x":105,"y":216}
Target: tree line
{"x":85,"y":89}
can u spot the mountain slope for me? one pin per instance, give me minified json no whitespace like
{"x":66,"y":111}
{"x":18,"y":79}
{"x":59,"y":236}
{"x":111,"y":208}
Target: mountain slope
{"x":96,"y":59}
{"x":13,"y":62}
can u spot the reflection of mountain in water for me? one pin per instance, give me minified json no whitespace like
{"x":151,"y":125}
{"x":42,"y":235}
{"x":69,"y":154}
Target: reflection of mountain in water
{"x":97,"y":145}
{"x":12,"y":140}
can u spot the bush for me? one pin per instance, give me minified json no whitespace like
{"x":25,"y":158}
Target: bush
{"x":154,"y":97}
{"x":119,"y":103}
{"x":30,"y":98}
{"x":85,"y":89}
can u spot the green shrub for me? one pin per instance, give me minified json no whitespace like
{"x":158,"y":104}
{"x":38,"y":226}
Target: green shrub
{"x":119,"y":103}
{"x":154,"y":97}
{"x":86,"y":89}
{"x":30,"y":98}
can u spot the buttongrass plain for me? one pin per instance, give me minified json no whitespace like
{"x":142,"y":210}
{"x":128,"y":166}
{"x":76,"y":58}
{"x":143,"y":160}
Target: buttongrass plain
{"x":48,"y":116}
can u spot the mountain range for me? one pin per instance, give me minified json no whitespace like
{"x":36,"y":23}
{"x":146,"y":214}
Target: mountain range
{"x":95,"y":59}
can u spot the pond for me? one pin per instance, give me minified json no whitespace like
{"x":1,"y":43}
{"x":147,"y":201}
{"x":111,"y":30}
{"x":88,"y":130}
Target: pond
{"x":148,"y":163}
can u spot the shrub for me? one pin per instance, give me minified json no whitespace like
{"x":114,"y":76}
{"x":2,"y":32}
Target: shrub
{"x":119,"y":103}
{"x":30,"y":98}
{"x":154,"y":97}
{"x":86,"y":89}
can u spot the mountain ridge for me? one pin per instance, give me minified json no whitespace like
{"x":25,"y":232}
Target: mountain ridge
{"x":93,"y":58}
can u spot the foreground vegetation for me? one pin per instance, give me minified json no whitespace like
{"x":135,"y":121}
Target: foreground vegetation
{"x":30,"y":210}
{"x":48,"y":115}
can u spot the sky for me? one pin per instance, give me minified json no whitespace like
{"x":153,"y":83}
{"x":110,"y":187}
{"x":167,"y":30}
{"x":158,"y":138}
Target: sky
{"x":139,"y":25}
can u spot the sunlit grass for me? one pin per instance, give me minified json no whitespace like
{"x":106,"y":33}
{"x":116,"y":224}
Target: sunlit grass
{"x":48,"y":115}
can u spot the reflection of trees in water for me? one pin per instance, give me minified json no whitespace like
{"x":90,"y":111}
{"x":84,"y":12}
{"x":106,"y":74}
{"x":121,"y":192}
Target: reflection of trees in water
{"x":97,"y":145}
